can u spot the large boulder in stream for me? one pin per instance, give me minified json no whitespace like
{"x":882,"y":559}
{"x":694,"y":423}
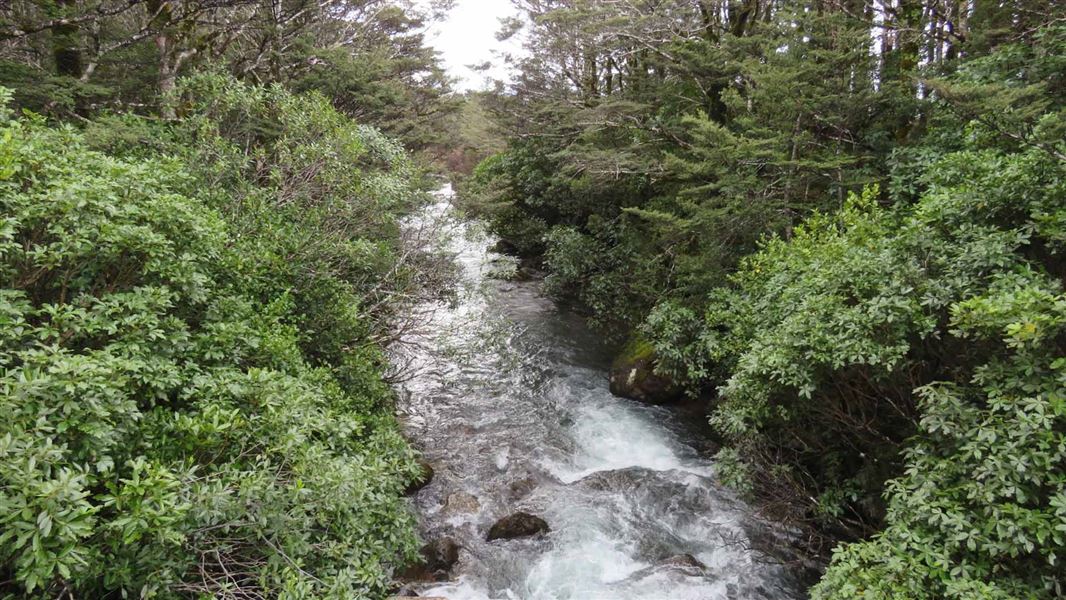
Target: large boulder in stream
{"x":441,"y":555}
{"x":633,"y":375}
{"x":520,"y":524}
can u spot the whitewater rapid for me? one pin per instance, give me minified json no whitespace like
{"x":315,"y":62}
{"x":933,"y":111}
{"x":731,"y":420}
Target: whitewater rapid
{"x":510,"y":406}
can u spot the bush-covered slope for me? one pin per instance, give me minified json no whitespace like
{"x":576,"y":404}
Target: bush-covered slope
{"x":192,"y":400}
{"x":897,"y":370}
{"x":928,"y":337}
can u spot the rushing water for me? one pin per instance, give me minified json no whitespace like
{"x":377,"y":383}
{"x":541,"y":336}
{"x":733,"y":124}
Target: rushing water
{"x":510,"y":405}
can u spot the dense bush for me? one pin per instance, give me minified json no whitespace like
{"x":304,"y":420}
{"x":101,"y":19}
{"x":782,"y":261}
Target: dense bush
{"x":936,"y":327}
{"x":981,"y":509}
{"x":192,"y":398}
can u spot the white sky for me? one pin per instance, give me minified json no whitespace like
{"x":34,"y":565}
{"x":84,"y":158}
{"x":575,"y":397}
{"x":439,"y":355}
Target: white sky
{"x":468,"y":37}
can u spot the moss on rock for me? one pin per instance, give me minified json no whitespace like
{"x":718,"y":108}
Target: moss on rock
{"x":633,"y":375}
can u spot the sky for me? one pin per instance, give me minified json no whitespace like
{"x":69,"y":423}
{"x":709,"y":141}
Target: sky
{"x":468,"y":37}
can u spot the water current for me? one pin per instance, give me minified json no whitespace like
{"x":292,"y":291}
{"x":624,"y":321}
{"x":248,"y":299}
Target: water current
{"x":510,"y":405}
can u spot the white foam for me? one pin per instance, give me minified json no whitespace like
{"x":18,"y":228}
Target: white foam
{"x":611,"y":434}
{"x":583,"y":568}
{"x":502,"y":459}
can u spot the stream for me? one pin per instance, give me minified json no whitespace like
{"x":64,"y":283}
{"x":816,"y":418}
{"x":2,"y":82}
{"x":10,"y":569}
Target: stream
{"x":509,"y":404}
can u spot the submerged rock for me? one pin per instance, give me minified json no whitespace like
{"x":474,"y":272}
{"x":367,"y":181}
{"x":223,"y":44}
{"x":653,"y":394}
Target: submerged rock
{"x":424,"y":477}
{"x":682,"y":561}
{"x":441,"y":555}
{"x":633,"y":376}
{"x":520,"y":524}
{"x":522,"y":487}
{"x":682,"y":564}
{"x":461,"y":503}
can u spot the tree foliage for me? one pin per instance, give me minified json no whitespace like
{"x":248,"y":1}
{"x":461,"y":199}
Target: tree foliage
{"x":369,"y":57}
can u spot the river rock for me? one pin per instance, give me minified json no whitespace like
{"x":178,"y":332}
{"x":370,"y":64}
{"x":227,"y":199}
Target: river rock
{"x":504,"y":247}
{"x":685,"y":563}
{"x":441,"y":555}
{"x":523,"y":487}
{"x":520,"y":524}
{"x":461,"y":503}
{"x":682,"y":561}
{"x":437,"y":559}
{"x":633,"y":376}
{"x":425,"y":475}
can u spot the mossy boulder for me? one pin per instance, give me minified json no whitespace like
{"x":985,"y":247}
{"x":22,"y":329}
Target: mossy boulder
{"x":633,"y":375}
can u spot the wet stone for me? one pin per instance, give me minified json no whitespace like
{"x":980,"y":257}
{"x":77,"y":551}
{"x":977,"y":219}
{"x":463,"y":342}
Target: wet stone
{"x":522,"y":487}
{"x":438,"y":557}
{"x":633,"y":375}
{"x":461,"y":503}
{"x":682,"y":561}
{"x":441,"y":555}
{"x":520,"y":524}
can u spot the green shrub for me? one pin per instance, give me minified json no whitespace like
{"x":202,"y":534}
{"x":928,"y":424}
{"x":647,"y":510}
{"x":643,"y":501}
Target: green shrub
{"x":184,"y":416}
{"x":980,"y":511}
{"x":943,"y":319}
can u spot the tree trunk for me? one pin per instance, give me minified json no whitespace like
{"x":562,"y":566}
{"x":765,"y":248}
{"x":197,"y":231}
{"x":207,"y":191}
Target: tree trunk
{"x":66,"y":42}
{"x":609,"y":75}
{"x":741,"y":13}
{"x":171,"y":57}
{"x":168,"y":80}
{"x":592,"y":75}
{"x":707,"y":15}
